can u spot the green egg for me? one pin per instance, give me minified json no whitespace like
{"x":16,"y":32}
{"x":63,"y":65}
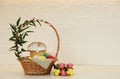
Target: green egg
{"x":46,"y":54}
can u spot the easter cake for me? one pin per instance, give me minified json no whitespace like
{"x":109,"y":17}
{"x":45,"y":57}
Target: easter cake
{"x":36,"y":48}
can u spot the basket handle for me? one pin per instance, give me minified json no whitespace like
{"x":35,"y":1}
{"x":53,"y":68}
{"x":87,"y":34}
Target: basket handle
{"x":58,"y":38}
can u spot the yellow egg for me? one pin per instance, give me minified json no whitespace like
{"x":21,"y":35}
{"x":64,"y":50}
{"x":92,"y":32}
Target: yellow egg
{"x":41,"y":58}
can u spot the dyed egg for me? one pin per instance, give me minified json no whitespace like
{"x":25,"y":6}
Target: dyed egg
{"x":41,"y":58}
{"x":50,"y":57}
{"x":46,"y":54}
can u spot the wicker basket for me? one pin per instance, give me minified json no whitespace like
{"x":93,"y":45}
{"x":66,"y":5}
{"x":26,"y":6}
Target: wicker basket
{"x":31,"y":67}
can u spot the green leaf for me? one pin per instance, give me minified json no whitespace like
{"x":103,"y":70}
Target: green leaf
{"x":29,"y":31}
{"x":13,"y":47}
{"x":24,"y":29}
{"x":55,"y":66}
{"x":20,"y":43}
{"x":23,"y":50}
{"x":26,"y":34}
{"x":38,"y":22}
{"x":14,"y":34}
{"x":24,"y":41}
{"x":13,"y":27}
{"x":65,"y":68}
{"x":12,"y":38}
{"x":21,"y":35}
{"x":26,"y":22}
{"x":33,"y":23}
{"x":19,"y":28}
{"x":18,"y":21}
{"x":17,"y":55}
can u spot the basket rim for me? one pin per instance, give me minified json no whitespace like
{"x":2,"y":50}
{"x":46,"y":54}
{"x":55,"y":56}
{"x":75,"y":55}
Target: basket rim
{"x":27,"y":60}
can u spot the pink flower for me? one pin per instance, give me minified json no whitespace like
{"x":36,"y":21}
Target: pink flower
{"x":63,"y":73}
{"x":69,"y":65}
{"x":61,"y":65}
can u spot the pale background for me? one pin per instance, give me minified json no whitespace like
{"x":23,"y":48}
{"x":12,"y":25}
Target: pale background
{"x":89,"y":29}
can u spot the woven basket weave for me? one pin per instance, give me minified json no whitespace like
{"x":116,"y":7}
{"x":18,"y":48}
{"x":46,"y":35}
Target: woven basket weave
{"x":31,"y":67}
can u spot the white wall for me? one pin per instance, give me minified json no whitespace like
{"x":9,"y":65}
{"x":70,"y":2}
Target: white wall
{"x":89,"y":30}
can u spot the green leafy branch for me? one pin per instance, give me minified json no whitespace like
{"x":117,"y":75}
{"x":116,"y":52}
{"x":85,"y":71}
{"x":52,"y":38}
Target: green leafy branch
{"x":19,"y":33}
